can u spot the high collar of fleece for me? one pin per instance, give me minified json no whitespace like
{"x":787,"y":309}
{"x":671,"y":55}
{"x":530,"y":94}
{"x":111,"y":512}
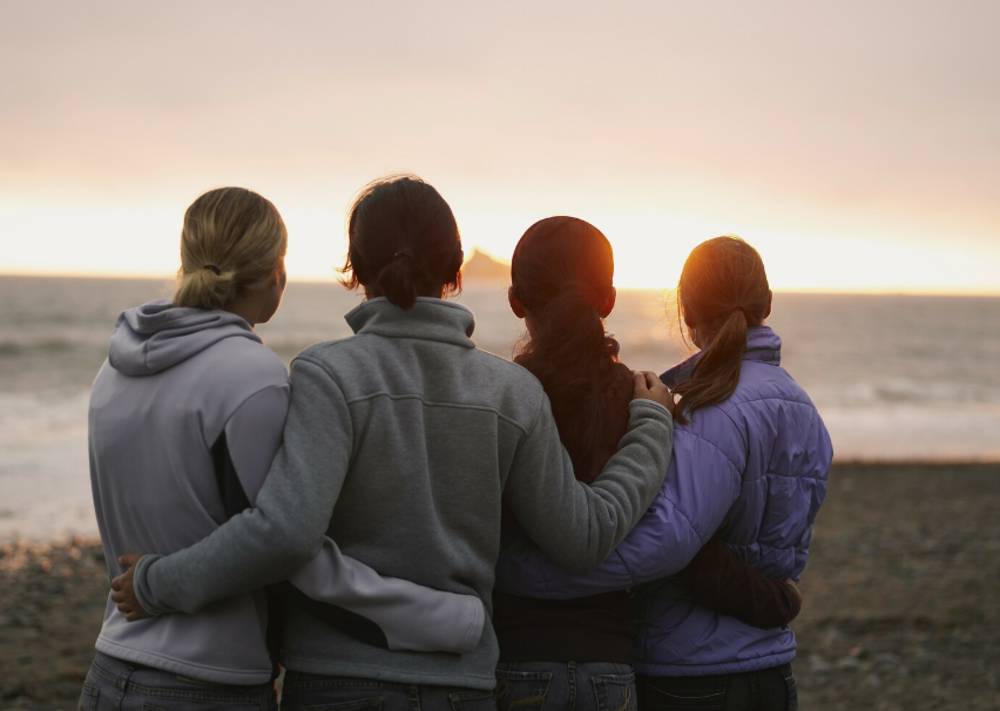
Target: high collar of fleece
{"x":429,"y":319}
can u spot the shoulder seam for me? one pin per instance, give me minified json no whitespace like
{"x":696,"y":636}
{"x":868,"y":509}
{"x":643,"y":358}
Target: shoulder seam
{"x":247,"y":399}
{"x":765,"y":398}
{"x":241,"y":403}
{"x":713,"y":445}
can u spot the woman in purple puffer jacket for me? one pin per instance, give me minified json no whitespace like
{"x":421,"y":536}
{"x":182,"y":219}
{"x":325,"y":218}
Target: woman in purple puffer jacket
{"x":751,"y":456}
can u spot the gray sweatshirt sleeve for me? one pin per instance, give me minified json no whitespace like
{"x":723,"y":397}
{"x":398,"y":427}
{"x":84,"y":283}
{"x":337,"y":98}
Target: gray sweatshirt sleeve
{"x":578,"y":525}
{"x":411,"y":616}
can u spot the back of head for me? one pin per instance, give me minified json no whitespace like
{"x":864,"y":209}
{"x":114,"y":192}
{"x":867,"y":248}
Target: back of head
{"x":723,"y":291}
{"x":403,"y":242}
{"x":562,"y":273}
{"x":232,"y":239}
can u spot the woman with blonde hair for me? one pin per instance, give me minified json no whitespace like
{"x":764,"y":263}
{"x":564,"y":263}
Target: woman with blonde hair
{"x":186,"y":415}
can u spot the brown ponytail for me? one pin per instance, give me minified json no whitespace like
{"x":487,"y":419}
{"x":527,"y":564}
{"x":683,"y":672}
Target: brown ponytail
{"x":723,"y":291}
{"x":561,"y":274}
{"x":396,"y":281}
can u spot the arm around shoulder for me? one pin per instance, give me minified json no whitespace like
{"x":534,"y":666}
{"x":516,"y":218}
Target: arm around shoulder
{"x":579,"y":525}
{"x":701,"y":485}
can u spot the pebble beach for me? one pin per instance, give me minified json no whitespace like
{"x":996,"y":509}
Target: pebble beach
{"x":901,"y":605}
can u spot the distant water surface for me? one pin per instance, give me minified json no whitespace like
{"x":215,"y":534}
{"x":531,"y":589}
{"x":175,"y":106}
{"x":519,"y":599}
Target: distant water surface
{"x":896,"y":378}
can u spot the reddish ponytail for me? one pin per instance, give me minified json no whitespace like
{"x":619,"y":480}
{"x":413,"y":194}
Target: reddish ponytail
{"x":562,"y":273}
{"x":723,"y":291}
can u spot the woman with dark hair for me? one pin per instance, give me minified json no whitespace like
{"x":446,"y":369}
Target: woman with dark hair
{"x":400,"y":443}
{"x":562,"y":284}
{"x":749,"y":466}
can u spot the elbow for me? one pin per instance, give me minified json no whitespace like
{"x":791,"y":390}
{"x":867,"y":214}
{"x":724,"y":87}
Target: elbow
{"x":291,"y":544}
{"x":300,"y":547}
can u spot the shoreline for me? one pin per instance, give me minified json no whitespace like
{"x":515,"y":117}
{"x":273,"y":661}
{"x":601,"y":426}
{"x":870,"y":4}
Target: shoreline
{"x":870,"y":467}
{"x":900,"y":606}
{"x":475,"y":283}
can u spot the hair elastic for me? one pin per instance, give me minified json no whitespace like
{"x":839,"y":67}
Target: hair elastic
{"x":212,"y":268}
{"x":407,"y":254}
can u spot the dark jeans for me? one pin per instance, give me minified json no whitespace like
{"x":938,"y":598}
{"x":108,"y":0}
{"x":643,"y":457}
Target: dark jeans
{"x":765,"y":690}
{"x":569,"y":686}
{"x":114,"y":685}
{"x":310,"y":692}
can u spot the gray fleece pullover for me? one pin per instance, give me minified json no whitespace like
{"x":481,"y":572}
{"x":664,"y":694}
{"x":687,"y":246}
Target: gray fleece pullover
{"x":176,"y":380}
{"x":401,"y":442}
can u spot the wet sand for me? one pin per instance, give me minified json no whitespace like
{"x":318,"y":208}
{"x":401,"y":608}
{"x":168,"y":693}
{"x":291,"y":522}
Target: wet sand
{"x":902,"y":598}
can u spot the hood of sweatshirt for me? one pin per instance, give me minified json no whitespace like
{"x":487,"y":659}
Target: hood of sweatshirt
{"x":151,"y":338}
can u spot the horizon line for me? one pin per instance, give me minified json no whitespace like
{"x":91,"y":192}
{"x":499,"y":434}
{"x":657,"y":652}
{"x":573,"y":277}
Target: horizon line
{"x":332,"y":280}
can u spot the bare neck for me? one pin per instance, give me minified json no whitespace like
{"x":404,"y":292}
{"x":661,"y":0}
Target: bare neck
{"x":246,"y":308}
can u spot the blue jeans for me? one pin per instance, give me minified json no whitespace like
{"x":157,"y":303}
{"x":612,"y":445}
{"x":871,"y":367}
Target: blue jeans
{"x":312,"y":692}
{"x":115,"y":685}
{"x":764,"y":690}
{"x":573,"y":686}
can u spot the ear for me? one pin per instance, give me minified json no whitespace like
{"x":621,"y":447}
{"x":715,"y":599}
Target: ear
{"x":280,"y":275}
{"x":767,"y":311}
{"x":609,"y":303}
{"x":515,"y":303}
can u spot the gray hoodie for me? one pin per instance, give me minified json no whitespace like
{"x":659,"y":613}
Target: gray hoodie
{"x":402,"y":442}
{"x":176,"y":379}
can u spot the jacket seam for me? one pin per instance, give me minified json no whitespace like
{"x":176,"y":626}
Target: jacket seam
{"x":180,"y":662}
{"x":691,"y":525}
{"x":722,"y":667}
{"x":335,"y":384}
{"x":243,"y":402}
{"x":765,"y":398}
{"x":462,"y":342}
{"x":768,"y":474}
{"x":713,"y":445}
{"x":526,"y":434}
{"x":432,"y":403}
{"x":628,"y":570}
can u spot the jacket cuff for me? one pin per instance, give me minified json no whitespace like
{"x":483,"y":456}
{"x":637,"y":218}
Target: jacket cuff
{"x":474,"y":632}
{"x":140,"y":585}
{"x":641,"y":407}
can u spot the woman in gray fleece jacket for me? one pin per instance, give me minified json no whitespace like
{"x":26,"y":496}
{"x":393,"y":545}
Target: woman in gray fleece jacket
{"x":185,"y":417}
{"x":401,"y":442}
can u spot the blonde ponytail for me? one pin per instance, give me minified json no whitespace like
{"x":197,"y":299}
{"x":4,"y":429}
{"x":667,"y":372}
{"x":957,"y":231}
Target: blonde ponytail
{"x":232,"y":239}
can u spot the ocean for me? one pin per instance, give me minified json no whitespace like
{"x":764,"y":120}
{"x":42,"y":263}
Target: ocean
{"x":896,"y":378}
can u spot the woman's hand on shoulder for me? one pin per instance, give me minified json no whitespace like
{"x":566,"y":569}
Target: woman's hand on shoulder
{"x":648,"y":386}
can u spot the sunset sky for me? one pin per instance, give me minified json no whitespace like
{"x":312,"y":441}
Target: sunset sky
{"x":856,"y":144}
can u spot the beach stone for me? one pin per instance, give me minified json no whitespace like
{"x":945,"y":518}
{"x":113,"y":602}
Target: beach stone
{"x":887,"y":659}
{"x":848,"y":663}
{"x":819,"y":665}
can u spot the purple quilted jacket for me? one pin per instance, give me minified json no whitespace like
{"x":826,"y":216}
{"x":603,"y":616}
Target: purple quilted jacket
{"x":753,"y":469}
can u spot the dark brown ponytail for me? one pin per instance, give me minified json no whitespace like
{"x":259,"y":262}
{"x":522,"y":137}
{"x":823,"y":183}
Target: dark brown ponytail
{"x":403,"y":242}
{"x":396,"y":281}
{"x":561,"y":274}
{"x":723,"y":292}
